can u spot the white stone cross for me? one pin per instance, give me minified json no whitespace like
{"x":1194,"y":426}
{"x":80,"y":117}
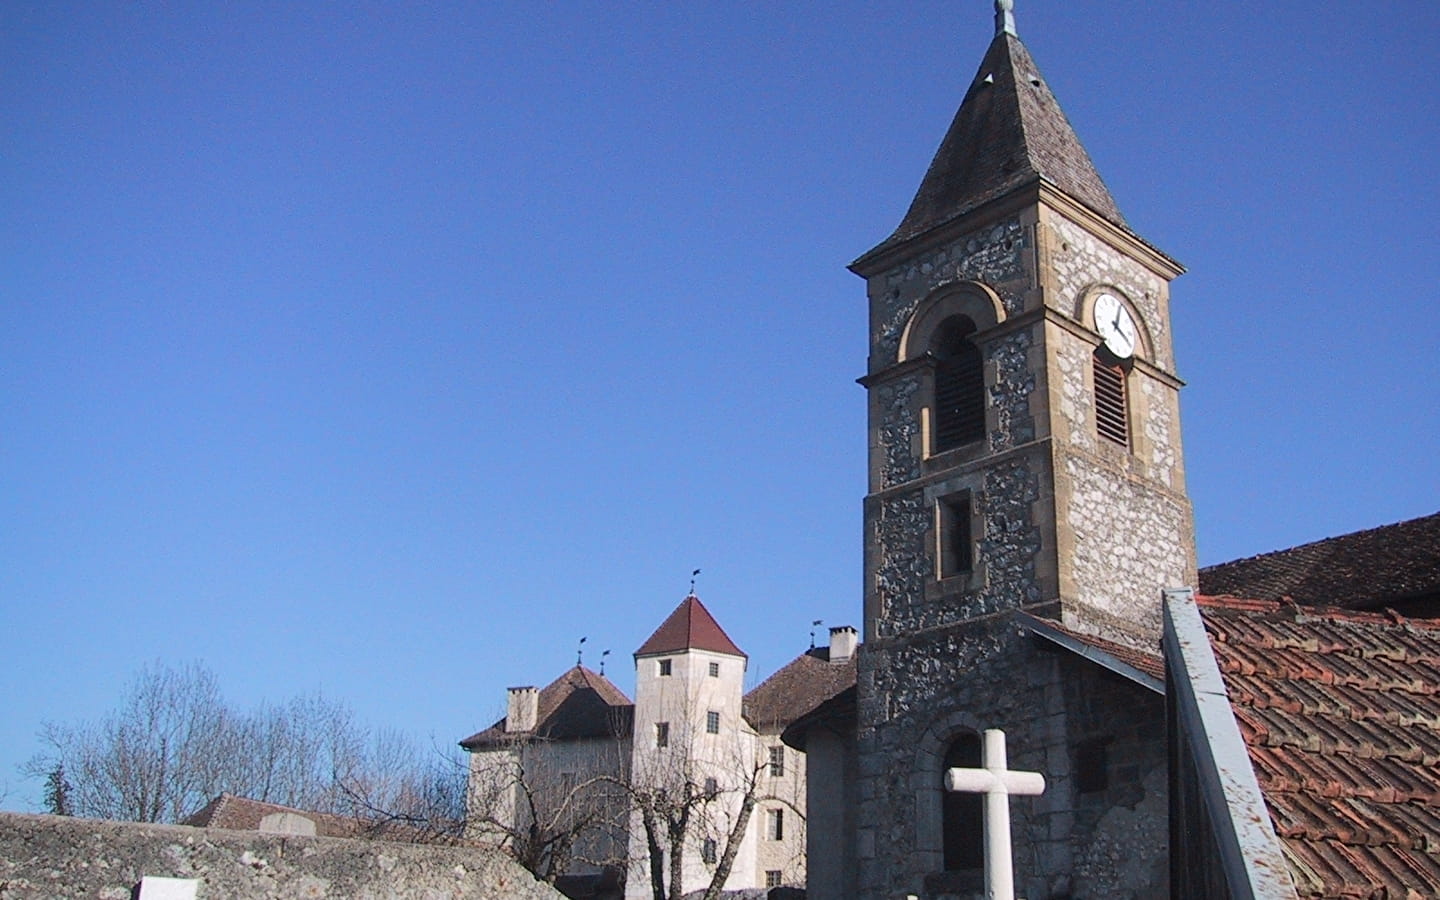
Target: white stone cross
{"x":997,"y":783}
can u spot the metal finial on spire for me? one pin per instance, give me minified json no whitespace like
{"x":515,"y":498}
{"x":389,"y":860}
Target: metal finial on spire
{"x":1005,"y":17}
{"x":602,"y":661}
{"x":579,"y":651}
{"x":693,"y":575}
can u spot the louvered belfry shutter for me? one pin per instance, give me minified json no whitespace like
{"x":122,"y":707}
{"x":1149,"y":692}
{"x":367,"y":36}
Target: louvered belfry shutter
{"x":1111,"y":421}
{"x":959,"y":388}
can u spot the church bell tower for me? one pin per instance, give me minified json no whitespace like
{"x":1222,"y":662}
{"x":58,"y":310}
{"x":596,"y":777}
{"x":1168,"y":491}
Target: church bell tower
{"x":1024,"y":461}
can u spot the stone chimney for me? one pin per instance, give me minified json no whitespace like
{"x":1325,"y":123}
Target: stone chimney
{"x":843,"y":639}
{"x":523,"y":709}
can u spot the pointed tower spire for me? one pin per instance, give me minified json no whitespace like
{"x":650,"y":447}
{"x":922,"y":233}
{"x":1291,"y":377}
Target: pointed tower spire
{"x":1008,"y":133}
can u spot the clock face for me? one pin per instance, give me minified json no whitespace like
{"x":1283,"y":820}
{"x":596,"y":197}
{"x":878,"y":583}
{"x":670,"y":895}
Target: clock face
{"x":1115,"y":325}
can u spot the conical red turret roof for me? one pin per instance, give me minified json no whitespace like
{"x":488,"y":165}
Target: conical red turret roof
{"x":689,"y":627}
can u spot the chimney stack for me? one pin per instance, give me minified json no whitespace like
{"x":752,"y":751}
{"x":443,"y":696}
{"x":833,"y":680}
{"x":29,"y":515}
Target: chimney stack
{"x":843,"y":639}
{"x":523,"y":708}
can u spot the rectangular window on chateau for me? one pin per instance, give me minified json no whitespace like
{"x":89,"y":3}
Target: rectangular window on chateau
{"x":777,"y":825}
{"x":773,"y":878}
{"x":712,"y":787}
{"x":777,"y":761}
{"x":714,"y":670}
{"x":712,"y":722}
{"x":956,"y":551}
{"x":662,"y":734}
{"x":664,"y":667}
{"x":707,"y":851}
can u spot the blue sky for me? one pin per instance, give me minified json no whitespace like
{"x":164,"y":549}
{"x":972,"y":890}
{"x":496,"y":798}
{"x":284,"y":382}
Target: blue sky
{"x":388,"y":349}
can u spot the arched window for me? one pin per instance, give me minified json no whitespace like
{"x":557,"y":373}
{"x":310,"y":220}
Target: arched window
{"x":959,"y":385}
{"x":963,"y":814}
{"x":1111,"y":419}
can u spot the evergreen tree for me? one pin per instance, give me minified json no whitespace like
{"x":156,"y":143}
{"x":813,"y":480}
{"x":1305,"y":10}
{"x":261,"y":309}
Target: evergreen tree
{"x":57,"y":792}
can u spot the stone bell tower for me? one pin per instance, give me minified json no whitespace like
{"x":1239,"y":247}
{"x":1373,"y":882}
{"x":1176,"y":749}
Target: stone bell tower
{"x":1024,"y":456}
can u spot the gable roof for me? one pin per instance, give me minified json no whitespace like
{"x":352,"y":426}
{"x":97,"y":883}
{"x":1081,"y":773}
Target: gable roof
{"x":1340,"y":714}
{"x":1008,"y":132}
{"x":1391,"y":566}
{"x":1145,"y":669}
{"x":798,"y":688}
{"x":689,"y":627}
{"x":578,"y":704}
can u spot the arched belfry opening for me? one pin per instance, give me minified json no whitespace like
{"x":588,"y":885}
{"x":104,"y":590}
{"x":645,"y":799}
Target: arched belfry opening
{"x":959,"y":385}
{"x":962,"y":814}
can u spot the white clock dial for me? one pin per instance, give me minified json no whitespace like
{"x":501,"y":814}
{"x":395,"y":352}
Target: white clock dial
{"x":1115,"y":325}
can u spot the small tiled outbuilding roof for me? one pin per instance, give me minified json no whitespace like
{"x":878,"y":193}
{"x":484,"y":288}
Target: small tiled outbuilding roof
{"x":1340,"y":713}
{"x":578,"y":704}
{"x":243,"y":814}
{"x":1391,"y":566}
{"x":799,"y":687}
{"x":689,"y":627}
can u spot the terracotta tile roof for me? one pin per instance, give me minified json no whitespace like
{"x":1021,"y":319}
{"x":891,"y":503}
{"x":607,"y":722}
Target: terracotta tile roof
{"x":1391,"y":566}
{"x":1151,"y":664}
{"x":1008,"y":132}
{"x":1340,"y":711}
{"x":799,"y":687}
{"x":689,"y":627}
{"x":578,"y":704}
{"x":243,"y":814}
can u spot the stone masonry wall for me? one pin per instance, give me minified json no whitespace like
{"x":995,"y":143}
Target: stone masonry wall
{"x":55,"y":858}
{"x":1105,"y":844}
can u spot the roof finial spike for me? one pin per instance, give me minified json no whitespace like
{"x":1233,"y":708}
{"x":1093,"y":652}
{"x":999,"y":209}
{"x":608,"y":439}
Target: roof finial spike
{"x":693,"y":575}
{"x":1005,"y":17}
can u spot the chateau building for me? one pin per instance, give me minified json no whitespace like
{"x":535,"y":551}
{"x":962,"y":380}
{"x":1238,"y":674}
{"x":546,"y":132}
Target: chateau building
{"x":577,"y":753}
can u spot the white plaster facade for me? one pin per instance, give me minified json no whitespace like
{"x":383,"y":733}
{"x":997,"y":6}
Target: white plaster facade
{"x":696,"y":697}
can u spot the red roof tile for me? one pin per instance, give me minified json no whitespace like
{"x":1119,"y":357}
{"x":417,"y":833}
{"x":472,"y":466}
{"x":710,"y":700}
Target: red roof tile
{"x":689,"y":627}
{"x":580,"y":703}
{"x":1340,"y":711}
{"x":1151,"y":664}
{"x":1391,"y":566}
{"x":799,"y":687}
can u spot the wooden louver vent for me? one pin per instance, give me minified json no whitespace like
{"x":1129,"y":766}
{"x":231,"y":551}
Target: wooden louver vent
{"x":1111,"y":422}
{"x":959,"y":396}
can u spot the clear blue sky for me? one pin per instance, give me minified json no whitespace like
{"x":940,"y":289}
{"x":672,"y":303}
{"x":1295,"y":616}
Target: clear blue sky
{"x":388,"y":349}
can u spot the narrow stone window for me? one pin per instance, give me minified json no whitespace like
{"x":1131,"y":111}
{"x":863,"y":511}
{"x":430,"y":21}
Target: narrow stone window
{"x":712,"y":722}
{"x":963,"y":814}
{"x":774,"y":878}
{"x":956,"y":553}
{"x":777,"y":762}
{"x":776,"y":824}
{"x":662,"y":734}
{"x":959,"y":385}
{"x":665,"y":668}
{"x":714,"y":670}
{"x":1092,"y":770}
{"x":1111,"y":420}
{"x":707,"y":851}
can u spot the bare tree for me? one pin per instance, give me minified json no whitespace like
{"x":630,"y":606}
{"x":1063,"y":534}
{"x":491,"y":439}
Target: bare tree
{"x":681,"y":801}
{"x":549,"y":818}
{"x":173,"y":744}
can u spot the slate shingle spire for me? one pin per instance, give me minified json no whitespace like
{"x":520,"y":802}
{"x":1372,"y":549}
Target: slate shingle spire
{"x":1008,"y":132}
